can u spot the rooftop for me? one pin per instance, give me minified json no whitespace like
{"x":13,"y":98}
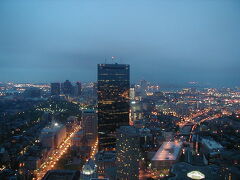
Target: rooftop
{"x":168,"y":151}
{"x":62,"y":175}
{"x":54,"y":127}
{"x":128,"y":130}
{"x":183,"y":170}
{"x":88,"y":111}
{"x":211,"y":144}
{"x":106,"y":156}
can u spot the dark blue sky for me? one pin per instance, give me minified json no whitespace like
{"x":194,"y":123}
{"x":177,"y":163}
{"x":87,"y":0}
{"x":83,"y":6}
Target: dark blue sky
{"x":168,"y":41}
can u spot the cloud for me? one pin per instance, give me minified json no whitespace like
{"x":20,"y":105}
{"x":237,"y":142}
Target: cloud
{"x":162,"y":40}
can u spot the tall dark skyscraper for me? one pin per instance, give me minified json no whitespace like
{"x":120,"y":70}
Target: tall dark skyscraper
{"x":55,"y":89}
{"x":78,"y":89}
{"x":113,"y":102}
{"x":67,"y":88}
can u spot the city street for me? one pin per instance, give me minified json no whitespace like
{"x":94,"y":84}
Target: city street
{"x":56,"y":155}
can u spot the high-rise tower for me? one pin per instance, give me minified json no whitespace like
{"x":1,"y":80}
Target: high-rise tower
{"x":128,"y":153}
{"x":113,"y":102}
{"x":78,"y":89}
{"x":67,"y":88}
{"x":55,"y":89}
{"x":89,"y":124}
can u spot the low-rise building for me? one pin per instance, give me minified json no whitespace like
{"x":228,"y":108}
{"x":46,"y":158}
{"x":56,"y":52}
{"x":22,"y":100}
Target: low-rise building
{"x":62,"y":175}
{"x":89,"y":170}
{"x":53,"y":135}
{"x":167,"y":155}
{"x":210,"y":147}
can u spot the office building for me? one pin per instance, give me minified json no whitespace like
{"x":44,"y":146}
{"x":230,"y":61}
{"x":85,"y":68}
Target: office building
{"x":132,"y":93}
{"x":128,"y":153}
{"x":211,"y":148}
{"x":143,"y":88}
{"x":78,"y":89}
{"x":67,"y":88}
{"x":113,"y":102}
{"x":52,"y":136}
{"x":167,"y":155}
{"x":89,"y":124}
{"x":55,"y":89}
{"x":106,"y":164}
{"x":146,"y":138}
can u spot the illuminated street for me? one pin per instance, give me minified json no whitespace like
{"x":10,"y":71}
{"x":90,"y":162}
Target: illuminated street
{"x":94,"y":150}
{"x":56,"y":155}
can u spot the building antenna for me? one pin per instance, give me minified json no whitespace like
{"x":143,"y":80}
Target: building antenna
{"x":105,"y":60}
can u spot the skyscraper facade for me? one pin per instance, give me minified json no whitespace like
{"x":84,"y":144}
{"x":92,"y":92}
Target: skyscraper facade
{"x":128,"y":153}
{"x":89,"y":124}
{"x":55,"y":89}
{"x":67,"y":88}
{"x":78,"y":89}
{"x":113,"y":102}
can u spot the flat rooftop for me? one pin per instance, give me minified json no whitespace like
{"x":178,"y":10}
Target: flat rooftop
{"x":211,"y":144}
{"x":62,"y":175}
{"x":106,"y":156}
{"x":52,"y":128}
{"x":168,"y":151}
{"x":88,"y":111}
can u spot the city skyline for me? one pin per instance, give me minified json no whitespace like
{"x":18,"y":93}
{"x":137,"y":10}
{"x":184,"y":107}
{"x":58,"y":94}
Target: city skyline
{"x":119,"y":90}
{"x":164,"y":41}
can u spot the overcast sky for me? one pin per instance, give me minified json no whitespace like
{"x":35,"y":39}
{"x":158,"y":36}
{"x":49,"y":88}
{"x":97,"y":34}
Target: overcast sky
{"x":166,"y":41}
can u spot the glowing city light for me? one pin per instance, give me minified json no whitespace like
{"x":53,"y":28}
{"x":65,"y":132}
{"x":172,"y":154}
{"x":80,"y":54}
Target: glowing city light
{"x":195,"y":175}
